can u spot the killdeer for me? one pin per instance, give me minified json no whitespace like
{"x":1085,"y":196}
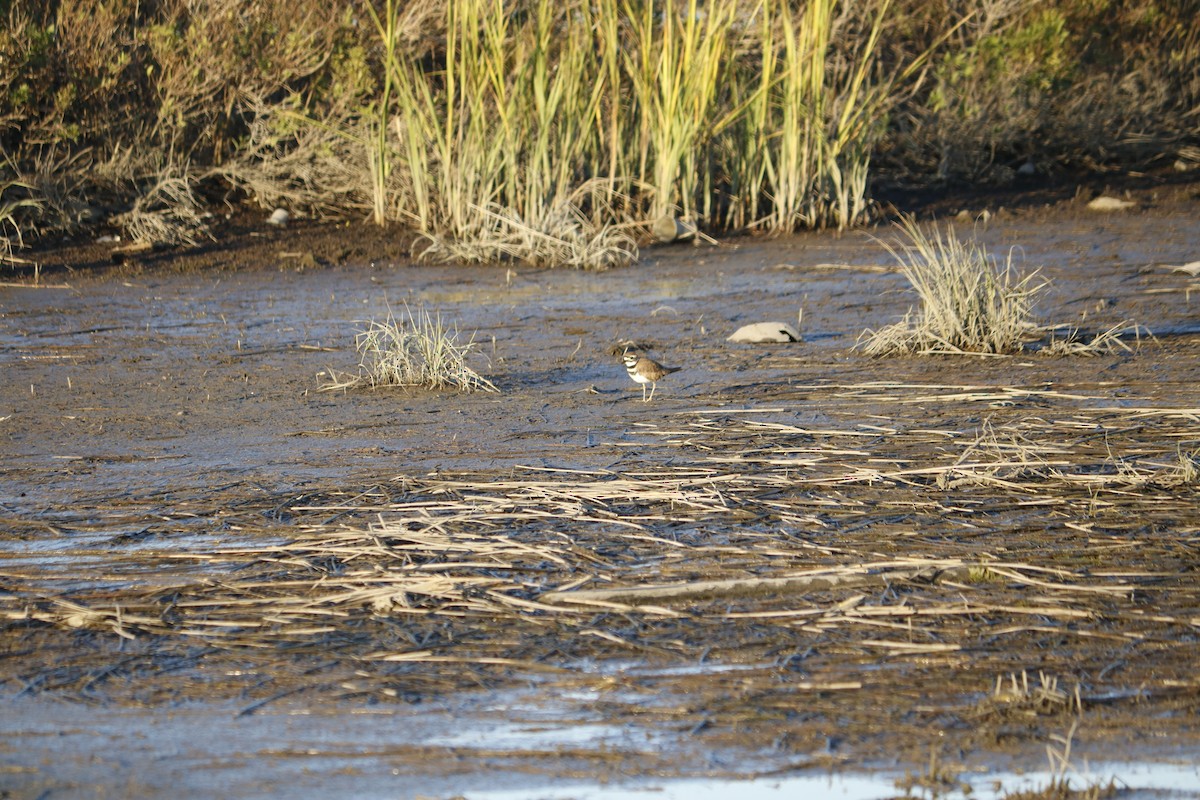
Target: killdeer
{"x":645,"y":370}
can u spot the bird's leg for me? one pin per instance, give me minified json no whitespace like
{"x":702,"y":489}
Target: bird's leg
{"x":653,"y":386}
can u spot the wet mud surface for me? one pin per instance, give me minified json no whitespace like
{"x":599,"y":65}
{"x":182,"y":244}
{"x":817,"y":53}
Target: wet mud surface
{"x":855,"y":552}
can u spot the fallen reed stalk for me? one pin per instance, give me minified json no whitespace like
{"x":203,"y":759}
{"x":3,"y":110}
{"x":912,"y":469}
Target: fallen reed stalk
{"x":1110,"y":340}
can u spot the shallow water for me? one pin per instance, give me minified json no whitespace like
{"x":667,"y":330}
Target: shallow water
{"x":444,"y":749}
{"x":1142,"y":780}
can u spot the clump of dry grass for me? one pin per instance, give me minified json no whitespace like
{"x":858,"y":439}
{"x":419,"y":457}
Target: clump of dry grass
{"x":1006,"y":457}
{"x":563,"y":237}
{"x":969,"y":302}
{"x":61,"y":184}
{"x":10,"y":231}
{"x":168,"y":212}
{"x":1107,"y":341}
{"x":1174,"y":473}
{"x":421,"y":351}
{"x":1000,"y":459}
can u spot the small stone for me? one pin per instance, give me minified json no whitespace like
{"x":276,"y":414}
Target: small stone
{"x":279,"y":217}
{"x":670,"y":229}
{"x":970,"y":216}
{"x":1106,"y":203}
{"x":765,"y":332}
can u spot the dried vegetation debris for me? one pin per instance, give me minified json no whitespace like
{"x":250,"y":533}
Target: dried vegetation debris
{"x":924,"y":545}
{"x":167,"y":212}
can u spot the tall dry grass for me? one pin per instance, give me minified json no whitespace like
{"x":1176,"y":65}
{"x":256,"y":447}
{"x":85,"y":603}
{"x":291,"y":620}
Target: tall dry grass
{"x":499,"y":144}
{"x":676,"y":62}
{"x":822,"y":112}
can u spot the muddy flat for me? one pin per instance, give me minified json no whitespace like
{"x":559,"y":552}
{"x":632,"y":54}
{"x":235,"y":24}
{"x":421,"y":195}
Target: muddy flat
{"x":217,"y":578}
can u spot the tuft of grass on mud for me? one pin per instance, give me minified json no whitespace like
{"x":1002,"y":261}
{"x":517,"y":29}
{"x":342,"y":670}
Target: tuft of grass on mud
{"x":1019,"y":696}
{"x":969,"y":302}
{"x":1105,"y":342}
{"x":421,"y":351}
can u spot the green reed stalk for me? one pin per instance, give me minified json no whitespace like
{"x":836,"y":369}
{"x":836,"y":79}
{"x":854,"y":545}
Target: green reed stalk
{"x":823,"y":118}
{"x":674,"y":71}
{"x":559,"y":89}
{"x":503,"y":137}
{"x":851,"y":132}
{"x":378,"y":150}
{"x":744,"y":159}
{"x":613,"y":148}
{"x":864,"y":109}
{"x":800,"y":101}
{"x":444,"y":122}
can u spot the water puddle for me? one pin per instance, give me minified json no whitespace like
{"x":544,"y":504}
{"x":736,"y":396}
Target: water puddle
{"x":1136,"y":780}
{"x":533,"y":737}
{"x":461,"y":749}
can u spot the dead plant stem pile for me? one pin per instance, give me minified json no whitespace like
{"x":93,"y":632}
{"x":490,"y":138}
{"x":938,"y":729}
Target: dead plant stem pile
{"x":820,"y":558}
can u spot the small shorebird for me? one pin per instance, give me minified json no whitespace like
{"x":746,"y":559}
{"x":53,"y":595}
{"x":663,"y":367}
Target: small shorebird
{"x":645,"y":370}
